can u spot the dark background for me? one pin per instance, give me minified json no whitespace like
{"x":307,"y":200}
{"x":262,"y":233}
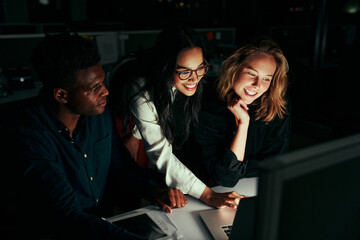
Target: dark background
{"x":320,"y":39}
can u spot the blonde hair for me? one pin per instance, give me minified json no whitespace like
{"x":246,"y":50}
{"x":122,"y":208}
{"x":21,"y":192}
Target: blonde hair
{"x":272,"y":102}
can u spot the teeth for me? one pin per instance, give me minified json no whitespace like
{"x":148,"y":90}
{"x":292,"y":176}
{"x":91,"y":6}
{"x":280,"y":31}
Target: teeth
{"x":190,"y":86}
{"x":248,"y":92}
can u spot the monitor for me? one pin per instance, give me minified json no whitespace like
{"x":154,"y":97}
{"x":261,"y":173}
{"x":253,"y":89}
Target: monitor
{"x":311,"y":193}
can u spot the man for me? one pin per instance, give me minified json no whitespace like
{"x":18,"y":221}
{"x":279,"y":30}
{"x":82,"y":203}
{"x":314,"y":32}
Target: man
{"x":64,"y":153}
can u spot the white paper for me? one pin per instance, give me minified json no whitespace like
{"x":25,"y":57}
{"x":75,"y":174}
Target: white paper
{"x":158,"y":216}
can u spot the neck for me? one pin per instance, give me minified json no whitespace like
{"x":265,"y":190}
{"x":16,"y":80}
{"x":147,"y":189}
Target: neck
{"x":69,"y":119}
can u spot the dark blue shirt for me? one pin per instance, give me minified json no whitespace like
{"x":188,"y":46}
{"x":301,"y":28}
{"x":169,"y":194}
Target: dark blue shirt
{"x":57,"y":179}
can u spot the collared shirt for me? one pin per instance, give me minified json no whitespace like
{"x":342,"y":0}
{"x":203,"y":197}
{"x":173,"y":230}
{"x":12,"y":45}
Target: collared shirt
{"x":158,"y":148}
{"x":62,"y":178}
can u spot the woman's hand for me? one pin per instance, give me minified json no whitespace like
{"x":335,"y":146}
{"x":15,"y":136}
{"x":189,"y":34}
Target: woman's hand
{"x":170,"y":198}
{"x":238,"y":107}
{"x":220,"y":200}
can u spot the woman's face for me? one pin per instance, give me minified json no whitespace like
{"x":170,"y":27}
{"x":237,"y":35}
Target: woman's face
{"x":187,"y":60}
{"x":255,"y":77}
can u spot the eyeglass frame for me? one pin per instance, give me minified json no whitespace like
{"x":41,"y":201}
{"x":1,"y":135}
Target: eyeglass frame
{"x":207,"y":66}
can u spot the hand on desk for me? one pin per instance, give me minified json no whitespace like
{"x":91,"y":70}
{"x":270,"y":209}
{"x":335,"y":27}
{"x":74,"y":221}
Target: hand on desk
{"x":167,"y":199}
{"x":220,"y":200}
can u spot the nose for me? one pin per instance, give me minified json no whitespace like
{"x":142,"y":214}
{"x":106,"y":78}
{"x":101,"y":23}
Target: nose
{"x":104,"y":91}
{"x":256,"y":82}
{"x":194,"y":77}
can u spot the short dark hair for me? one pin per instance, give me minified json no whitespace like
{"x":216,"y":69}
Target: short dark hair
{"x":58,"y":58}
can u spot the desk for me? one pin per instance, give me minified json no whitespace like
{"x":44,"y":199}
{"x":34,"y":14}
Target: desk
{"x":187,"y":219}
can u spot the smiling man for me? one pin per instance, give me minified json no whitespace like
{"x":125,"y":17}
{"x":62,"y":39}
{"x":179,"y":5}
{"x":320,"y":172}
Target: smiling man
{"x":65,"y":152}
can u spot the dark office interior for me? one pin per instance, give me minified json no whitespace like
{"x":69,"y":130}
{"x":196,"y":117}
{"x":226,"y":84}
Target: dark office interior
{"x":320,"y":39}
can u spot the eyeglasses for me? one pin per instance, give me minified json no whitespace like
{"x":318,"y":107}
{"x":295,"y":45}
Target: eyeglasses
{"x":186,"y":74}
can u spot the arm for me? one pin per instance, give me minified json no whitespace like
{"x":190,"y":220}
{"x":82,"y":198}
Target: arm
{"x":159,"y":150}
{"x":144,"y":180}
{"x":214,"y":133}
{"x":160,"y":153}
{"x":212,"y":138}
{"x":239,"y":110}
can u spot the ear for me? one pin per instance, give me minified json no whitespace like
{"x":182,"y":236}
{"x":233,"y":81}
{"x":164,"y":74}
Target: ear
{"x":61,"y":95}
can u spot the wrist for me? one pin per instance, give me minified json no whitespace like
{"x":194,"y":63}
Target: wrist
{"x":206,"y":194}
{"x":243,"y":122}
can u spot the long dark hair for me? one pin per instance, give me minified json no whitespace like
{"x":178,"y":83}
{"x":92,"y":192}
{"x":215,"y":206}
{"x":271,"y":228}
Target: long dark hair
{"x":158,"y":67}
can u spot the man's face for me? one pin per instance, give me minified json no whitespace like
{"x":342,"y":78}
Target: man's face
{"x":88,"y":97}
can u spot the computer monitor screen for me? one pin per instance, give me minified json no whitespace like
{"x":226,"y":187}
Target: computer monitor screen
{"x":311,"y":193}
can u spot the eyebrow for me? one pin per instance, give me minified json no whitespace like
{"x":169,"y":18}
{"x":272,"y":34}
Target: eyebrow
{"x":178,"y":66}
{"x":251,"y":68}
{"x":94,"y":81}
{"x":93,"y":85}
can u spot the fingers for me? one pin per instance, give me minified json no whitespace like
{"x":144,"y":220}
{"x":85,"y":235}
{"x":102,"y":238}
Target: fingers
{"x":179,"y":198}
{"x":233,"y":199}
{"x":171,"y":198}
{"x":166,"y":208}
{"x":243,"y":105}
{"x":163,"y":206}
{"x":238,"y":102}
{"x":233,"y":100}
{"x":237,"y":195}
{"x":239,"y":108}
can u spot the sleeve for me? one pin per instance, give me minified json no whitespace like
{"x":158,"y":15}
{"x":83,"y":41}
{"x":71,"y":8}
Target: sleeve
{"x":211,"y":139}
{"x":159,"y":150}
{"x":222,"y":164}
{"x":45,"y":180}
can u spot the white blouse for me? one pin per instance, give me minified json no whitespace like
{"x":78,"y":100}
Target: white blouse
{"x":158,"y":148}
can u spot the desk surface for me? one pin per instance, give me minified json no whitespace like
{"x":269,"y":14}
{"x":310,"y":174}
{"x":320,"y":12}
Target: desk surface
{"x":187,"y":219}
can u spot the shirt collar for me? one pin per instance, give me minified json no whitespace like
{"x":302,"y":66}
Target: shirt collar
{"x":173,"y":93}
{"x":54,"y":122}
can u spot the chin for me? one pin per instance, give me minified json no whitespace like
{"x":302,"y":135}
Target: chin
{"x":97,"y":111}
{"x":190,"y":94}
{"x":187,"y":93}
{"x":100,"y":111}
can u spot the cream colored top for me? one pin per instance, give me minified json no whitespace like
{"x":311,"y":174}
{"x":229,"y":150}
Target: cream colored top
{"x":158,"y":148}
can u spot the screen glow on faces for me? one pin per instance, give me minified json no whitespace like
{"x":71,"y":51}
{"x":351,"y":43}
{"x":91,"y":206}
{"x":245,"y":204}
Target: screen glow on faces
{"x":255,"y":78}
{"x":189,"y":59}
{"x":89,"y":95}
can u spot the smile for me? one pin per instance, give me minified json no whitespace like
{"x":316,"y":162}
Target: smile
{"x":249,"y":92}
{"x":190,"y":87}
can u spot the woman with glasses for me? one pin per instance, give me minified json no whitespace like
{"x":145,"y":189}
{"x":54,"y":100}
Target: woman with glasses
{"x":245,"y":116}
{"x":160,"y":94}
